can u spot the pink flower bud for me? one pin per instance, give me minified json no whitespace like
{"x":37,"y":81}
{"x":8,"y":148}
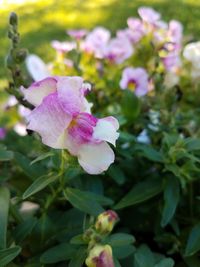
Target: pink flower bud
{"x":100,"y":256}
{"x":2,"y":133}
{"x":106,"y":221}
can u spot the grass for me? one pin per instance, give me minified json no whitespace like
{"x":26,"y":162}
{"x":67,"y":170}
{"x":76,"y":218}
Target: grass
{"x":42,"y":21}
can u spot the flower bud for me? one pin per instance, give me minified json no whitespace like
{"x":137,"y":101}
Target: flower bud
{"x":100,"y":256}
{"x":106,"y":221}
{"x":21,"y":55}
{"x":13,"y":18}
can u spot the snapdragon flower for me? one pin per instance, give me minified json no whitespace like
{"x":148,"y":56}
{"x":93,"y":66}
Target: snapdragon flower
{"x":135,"y":79}
{"x":191,"y":53}
{"x":118,"y":50}
{"x":95,"y":41}
{"x":175,"y":31}
{"x":63,"y":120}
{"x":63,"y":47}
{"x":136,"y":28}
{"x":149,"y":15}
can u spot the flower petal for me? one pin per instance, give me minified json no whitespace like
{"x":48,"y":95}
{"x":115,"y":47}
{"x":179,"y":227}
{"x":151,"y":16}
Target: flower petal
{"x":38,"y":90}
{"x":50,"y":121}
{"x":95,"y":158}
{"x":70,"y":94}
{"x":106,"y":130}
{"x":37,"y":68}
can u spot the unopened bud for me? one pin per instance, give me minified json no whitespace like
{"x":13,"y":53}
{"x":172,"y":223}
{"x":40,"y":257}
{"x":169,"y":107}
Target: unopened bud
{"x":87,"y":236}
{"x":21,"y":55}
{"x":100,"y":256}
{"x":9,"y":62}
{"x":13,"y":18}
{"x":106,"y":221}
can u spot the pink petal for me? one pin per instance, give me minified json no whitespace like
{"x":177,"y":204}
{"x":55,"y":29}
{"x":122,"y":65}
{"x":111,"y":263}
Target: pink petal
{"x":95,"y":158}
{"x":50,"y":121}
{"x":38,"y":90}
{"x":70,"y":94}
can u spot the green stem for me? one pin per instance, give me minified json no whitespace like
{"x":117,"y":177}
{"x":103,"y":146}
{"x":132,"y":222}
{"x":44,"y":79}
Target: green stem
{"x":62,"y":168}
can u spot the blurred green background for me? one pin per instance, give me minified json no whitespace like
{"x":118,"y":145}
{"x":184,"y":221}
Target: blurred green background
{"x":43,"y":21}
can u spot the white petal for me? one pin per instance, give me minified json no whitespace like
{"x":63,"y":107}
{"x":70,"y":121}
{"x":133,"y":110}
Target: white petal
{"x":95,"y":158}
{"x":106,"y":130}
{"x":37,"y":68}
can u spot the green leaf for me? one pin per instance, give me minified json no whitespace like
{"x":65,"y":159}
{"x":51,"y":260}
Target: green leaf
{"x":83,"y":201}
{"x":123,"y":252}
{"x":144,"y":257}
{"x":130,"y":105}
{"x":38,"y":185}
{"x":116,"y":173}
{"x":58,"y":253}
{"x":193,"y":243}
{"x":77,"y":240}
{"x":192,"y":144}
{"x":116,"y":262}
{"x":24,"y":229}
{"x":79,"y":258}
{"x":41,"y":157}
{"x":102,"y":200}
{"x":120,"y":239}
{"x":7,"y":255}
{"x":6,"y":155}
{"x":192,"y":261}
{"x":171,"y":199}
{"x":4,"y":207}
{"x":141,"y":192}
{"x":167,"y":262}
{"x":150,"y":153}
{"x":24,"y":163}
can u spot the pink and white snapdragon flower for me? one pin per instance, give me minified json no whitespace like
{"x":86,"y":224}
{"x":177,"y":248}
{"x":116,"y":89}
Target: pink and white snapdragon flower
{"x":118,"y":50}
{"x":95,"y":41}
{"x":136,"y":29}
{"x":136,"y":80}
{"x":63,"y":47}
{"x":63,"y":120}
{"x":149,"y":15}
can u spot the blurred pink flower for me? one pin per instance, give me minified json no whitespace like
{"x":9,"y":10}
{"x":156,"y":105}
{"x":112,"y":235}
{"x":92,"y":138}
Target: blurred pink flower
{"x":171,"y":61}
{"x":63,"y":120}
{"x":149,"y":15}
{"x":136,"y":30}
{"x":77,"y":34}
{"x":63,"y":47}
{"x":2,"y":133}
{"x":118,"y":50}
{"x":175,"y":31}
{"x":136,"y":80}
{"x":95,"y":41}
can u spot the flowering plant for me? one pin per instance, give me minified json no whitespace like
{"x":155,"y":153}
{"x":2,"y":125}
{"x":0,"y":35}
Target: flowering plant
{"x":95,"y":142}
